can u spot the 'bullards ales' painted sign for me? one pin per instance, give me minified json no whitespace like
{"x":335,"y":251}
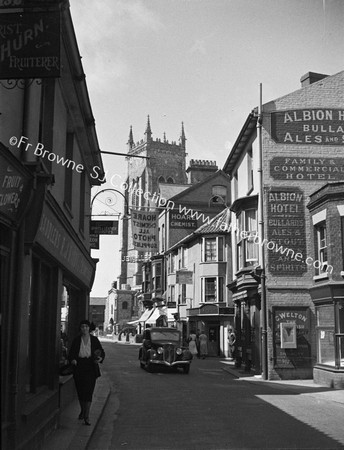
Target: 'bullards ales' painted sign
{"x":315,"y":126}
{"x":286,"y":232}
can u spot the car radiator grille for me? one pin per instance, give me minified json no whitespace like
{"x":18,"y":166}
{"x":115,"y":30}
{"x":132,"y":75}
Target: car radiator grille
{"x":169,"y":353}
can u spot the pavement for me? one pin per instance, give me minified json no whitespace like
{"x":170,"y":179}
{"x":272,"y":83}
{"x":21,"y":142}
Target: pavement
{"x":72,"y":434}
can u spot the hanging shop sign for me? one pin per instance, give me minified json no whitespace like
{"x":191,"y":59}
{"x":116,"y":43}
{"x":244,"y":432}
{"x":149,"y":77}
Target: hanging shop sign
{"x":144,"y":230}
{"x":306,"y":169}
{"x":94,"y":241}
{"x":185,"y":221}
{"x":184,"y":277}
{"x":14,"y":187}
{"x":314,"y":126}
{"x":30,"y":45}
{"x":104,"y":227}
{"x":286,"y":234}
{"x":292,"y":337}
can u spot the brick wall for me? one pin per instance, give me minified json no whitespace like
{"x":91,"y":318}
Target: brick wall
{"x":290,"y":289}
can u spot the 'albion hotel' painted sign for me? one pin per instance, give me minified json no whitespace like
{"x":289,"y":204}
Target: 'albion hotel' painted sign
{"x":308,"y":126}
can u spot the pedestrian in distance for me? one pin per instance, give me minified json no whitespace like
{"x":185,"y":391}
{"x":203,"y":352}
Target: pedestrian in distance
{"x":203,"y":345}
{"x":231,"y":343}
{"x":85,"y":355}
{"x":192,"y":344}
{"x":197,"y":343}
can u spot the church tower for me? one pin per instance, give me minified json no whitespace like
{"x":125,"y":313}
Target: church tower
{"x":157,"y":161}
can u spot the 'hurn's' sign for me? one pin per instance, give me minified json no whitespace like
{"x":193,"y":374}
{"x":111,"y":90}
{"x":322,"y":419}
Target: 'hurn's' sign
{"x":29,"y":45}
{"x":308,"y":126}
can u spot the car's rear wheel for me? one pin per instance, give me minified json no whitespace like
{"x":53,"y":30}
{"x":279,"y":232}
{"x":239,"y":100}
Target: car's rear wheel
{"x":186,"y":369}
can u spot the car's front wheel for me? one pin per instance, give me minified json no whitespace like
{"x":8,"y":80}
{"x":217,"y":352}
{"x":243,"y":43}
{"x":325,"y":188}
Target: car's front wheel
{"x":149,"y":367}
{"x":186,"y":369}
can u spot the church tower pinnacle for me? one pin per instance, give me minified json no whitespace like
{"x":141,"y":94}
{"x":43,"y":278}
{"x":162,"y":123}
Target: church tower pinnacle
{"x":148,"y":131}
{"x":182,"y":138}
{"x":131,"y":139}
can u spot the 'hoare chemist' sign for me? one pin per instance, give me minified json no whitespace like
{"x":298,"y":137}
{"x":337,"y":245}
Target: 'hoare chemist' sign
{"x":308,"y":126}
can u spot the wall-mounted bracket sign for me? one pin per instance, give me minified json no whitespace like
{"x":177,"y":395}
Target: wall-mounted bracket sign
{"x":104,"y":227}
{"x":30,"y":45}
{"x":314,"y":126}
{"x":184,"y":277}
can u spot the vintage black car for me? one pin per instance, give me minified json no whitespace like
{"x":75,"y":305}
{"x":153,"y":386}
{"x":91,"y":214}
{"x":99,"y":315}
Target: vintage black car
{"x":162,"y":347}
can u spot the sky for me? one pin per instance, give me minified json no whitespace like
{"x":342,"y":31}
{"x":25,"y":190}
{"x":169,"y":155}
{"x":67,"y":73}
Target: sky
{"x":199,"y":62}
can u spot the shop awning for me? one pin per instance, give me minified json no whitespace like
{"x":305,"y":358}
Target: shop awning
{"x":145,"y":315}
{"x":133,"y":322}
{"x":154,"y":316}
{"x":170,"y":316}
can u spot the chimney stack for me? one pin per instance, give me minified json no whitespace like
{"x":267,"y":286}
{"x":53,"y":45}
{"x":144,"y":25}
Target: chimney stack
{"x":311,"y":77}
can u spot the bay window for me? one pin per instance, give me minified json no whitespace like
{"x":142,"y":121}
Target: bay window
{"x":330,"y":334}
{"x":212,"y":289}
{"x":321,"y":248}
{"x":247,"y":249}
{"x":156,"y":278}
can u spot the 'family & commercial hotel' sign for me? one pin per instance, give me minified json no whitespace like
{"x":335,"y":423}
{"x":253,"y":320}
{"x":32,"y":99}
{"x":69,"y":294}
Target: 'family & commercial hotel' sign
{"x":317,"y":126}
{"x":310,"y":169}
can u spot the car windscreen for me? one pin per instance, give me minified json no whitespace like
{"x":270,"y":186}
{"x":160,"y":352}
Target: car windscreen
{"x":165,"y":336}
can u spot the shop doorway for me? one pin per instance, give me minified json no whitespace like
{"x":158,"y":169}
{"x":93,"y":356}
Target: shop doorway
{"x":213,"y":340}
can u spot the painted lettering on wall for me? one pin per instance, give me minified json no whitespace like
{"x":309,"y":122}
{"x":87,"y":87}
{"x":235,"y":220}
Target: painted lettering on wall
{"x":292,"y":357}
{"x":315,"y":126}
{"x":310,"y":169}
{"x":286,"y":227}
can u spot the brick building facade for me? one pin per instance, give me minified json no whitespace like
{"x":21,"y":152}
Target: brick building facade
{"x":299,"y":147}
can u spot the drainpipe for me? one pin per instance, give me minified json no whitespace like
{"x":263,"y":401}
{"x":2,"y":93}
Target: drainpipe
{"x":261,"y":247}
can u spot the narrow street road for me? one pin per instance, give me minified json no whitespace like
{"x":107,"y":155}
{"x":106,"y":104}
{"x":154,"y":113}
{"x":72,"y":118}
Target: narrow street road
{"x":209,"y":409}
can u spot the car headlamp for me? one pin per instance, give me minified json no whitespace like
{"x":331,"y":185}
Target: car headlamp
{"x":160,"y":350}
{"x":179,"y":351}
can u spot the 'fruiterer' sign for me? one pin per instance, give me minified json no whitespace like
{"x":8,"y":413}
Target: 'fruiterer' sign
{"x":308,"y":126}
{"x":286,"y":230}
{"x":144,"y":230}
{"x":29,"y":45}
{"x":309,"y":169}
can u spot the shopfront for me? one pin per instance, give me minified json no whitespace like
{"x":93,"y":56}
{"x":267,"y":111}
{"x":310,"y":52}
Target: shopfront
{"x":44,"y":266}
{"x":214,"y":322}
